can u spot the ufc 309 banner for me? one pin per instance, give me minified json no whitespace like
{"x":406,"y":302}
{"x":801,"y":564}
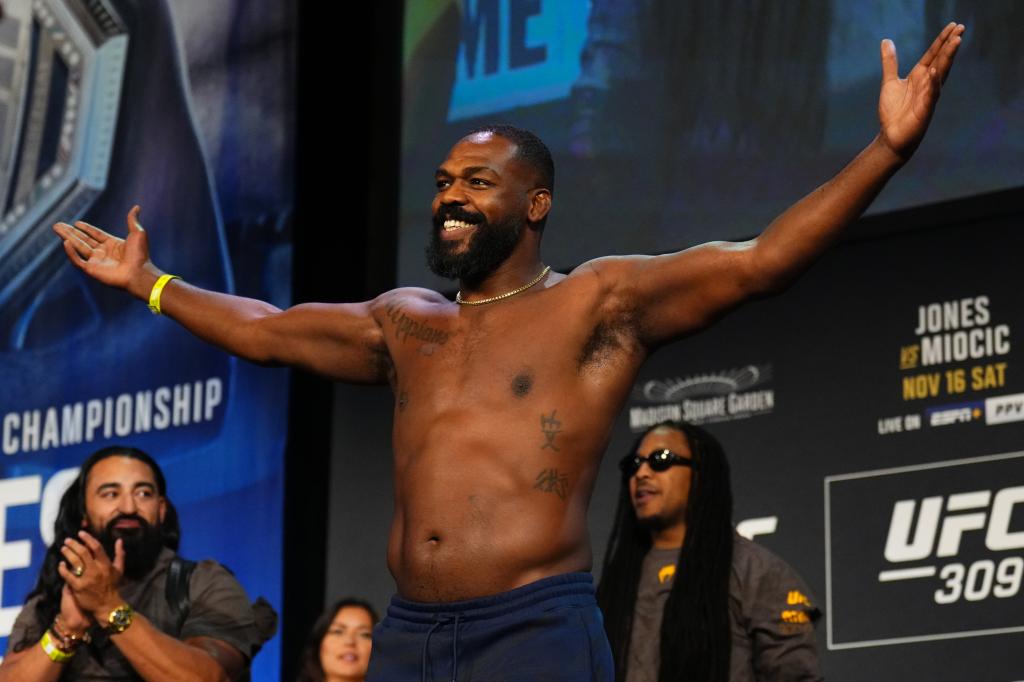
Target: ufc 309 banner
{"x":158,"y":102}
{"x":874,"y":419}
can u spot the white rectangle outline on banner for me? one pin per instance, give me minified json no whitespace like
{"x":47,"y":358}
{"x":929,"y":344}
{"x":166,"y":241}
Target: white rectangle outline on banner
{"x":832,"y":646}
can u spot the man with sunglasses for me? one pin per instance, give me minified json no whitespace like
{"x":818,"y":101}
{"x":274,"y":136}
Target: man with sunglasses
{"x":684,"y":596}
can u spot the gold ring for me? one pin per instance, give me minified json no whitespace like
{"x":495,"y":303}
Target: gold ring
{"x":79,"y":570}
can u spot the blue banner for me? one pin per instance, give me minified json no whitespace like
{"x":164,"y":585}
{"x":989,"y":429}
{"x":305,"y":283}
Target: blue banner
{"x":160,"y":104}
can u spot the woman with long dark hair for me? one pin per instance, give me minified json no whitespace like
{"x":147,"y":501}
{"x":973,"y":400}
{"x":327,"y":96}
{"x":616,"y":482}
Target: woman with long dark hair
{"x":338,"y":648}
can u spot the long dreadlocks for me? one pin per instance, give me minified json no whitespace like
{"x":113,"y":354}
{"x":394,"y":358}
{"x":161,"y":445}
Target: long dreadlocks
{"x":695,"y":634}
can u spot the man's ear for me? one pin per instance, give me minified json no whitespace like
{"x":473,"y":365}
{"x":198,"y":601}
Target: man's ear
{"x":163,"y":509}
{"x":540,"y":204}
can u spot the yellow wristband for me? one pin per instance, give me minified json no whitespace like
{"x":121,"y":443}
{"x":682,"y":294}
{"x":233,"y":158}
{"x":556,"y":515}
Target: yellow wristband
{"x":51,"y":649}
{"x":158,"y":289}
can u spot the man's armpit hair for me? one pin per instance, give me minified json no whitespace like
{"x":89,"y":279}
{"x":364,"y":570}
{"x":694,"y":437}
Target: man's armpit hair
{"x":609,"y":339}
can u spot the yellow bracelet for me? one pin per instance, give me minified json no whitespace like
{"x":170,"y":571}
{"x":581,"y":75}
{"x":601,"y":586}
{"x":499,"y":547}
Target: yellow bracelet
{"x":158,"y":289}
{"x":51,"y":649}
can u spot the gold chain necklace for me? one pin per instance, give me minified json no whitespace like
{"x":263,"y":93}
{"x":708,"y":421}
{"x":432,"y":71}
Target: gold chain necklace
{"x":507,"y":294}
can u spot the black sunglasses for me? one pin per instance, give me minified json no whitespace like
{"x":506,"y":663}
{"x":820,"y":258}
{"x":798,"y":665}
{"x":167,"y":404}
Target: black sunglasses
{"x":659,"y":460}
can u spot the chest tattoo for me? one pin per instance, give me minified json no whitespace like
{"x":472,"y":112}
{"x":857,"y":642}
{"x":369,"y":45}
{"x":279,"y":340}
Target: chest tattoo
{"x":406,"y":327}
{"x":550,"y":426}
{"x":552,"y":481}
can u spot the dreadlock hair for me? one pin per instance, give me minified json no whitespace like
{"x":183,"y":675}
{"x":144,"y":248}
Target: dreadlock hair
{"x":311,"y":670}
{"x":70,"y":515}
{"x":695,"y":633}
{"x":530,"y":149}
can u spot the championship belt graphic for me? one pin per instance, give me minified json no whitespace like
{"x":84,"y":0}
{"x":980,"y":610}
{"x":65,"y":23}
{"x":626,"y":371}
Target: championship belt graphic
{"x":61,"y":71}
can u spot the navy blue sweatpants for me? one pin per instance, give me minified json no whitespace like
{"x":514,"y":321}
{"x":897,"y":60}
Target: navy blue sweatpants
{"x":547,"y":630}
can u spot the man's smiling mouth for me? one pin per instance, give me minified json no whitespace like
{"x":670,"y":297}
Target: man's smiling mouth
{"x":453,"y":225}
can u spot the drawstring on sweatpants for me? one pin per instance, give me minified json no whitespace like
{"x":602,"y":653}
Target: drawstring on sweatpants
{"x":442,"y":620}
{"x":426,"y":642}
{"x":455,"y":648}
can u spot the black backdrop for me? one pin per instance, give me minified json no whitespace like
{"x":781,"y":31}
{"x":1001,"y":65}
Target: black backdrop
{"x":345,"y":222}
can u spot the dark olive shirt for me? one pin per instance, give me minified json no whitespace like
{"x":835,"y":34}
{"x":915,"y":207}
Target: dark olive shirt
{"x":219,"y":609}
{"x":771,"y":615}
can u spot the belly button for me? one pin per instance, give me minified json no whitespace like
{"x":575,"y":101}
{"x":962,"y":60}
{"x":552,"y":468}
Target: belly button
{"x":433,"y":540}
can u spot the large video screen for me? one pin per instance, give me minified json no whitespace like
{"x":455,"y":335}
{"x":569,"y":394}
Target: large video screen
{"x":675,"y":122}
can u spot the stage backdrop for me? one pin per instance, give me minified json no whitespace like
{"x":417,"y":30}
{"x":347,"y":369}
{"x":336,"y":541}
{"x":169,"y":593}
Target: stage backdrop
{"x":186,"y":109}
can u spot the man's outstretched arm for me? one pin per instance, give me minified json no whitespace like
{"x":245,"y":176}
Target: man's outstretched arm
{"x":342,"y":341}
{"x":679,"y":293}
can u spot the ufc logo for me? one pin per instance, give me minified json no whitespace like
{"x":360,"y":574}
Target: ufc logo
{"x":948,"y":519}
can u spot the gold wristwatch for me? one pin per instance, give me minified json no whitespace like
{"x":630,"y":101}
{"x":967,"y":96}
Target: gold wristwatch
{"x":120,"y":618}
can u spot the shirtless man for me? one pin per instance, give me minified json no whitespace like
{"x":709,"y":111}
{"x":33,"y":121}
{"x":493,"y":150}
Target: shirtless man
{"x":512,"y":393}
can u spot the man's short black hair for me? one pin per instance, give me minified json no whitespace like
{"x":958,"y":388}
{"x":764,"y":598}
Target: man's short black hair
{"x":529,"y":148}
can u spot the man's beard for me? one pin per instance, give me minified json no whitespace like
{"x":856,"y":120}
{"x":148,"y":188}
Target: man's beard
{"x":490,"y":245}
{"x":142,"y":545}
{"x":656,"y":522}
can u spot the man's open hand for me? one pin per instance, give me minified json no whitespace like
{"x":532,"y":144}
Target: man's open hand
{"x":122,"y":263}
{"x":905,"y":105}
